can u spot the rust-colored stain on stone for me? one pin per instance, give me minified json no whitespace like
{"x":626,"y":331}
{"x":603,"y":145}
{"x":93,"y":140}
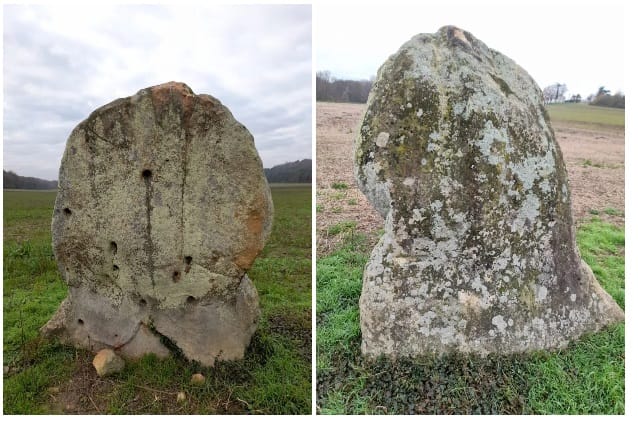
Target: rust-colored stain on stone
{"x":459,"y":34}
{"x":254,"y":223}
{"x":162,"y":95}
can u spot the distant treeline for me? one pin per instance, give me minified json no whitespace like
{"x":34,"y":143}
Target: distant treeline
{"x":330,"y":89}
{"x":13,"y":181}
{"x":296,"y":172}
{"x":606,"y":100}
{"x":555,"y":93}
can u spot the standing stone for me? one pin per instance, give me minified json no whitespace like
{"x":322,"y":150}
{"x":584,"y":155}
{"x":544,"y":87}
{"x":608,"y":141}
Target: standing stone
{"x":457,"y":153}
{"x":162,"y":208}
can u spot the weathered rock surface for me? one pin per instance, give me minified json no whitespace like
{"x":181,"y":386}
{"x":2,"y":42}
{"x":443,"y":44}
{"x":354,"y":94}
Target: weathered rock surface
{"x":456,"y":151}
{"x":162,"y":207}
{"x":107,"y":362}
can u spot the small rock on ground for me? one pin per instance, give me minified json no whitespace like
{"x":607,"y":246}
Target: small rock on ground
{"x":198,"y":379}
{"x":107,"y":362}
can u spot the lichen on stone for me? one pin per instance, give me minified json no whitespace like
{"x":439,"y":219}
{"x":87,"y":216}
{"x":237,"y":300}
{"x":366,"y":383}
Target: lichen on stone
{"x":161,"y":210}
{"x":456,"y":151}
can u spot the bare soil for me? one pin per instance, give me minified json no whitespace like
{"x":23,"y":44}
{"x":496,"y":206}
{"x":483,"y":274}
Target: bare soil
{"x":595,"y":160}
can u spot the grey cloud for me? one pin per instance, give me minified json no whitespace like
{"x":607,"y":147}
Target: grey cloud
{"x":255,"y":59}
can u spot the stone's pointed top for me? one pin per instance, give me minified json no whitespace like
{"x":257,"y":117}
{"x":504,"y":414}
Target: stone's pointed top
{"x":478,"y":255}
{"x":455,"y":33}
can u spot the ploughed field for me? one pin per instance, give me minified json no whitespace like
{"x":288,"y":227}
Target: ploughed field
{"x":43,"y":376}
{"x":587,"y":377}
{"x":592,"y":140}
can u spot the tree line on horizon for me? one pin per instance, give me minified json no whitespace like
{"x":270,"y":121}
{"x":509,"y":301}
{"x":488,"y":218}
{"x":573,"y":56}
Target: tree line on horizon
{"x":555,"y":93}
{"x":299,"y":171}
{"x":11,"y":180}
{"x":332,"y":89}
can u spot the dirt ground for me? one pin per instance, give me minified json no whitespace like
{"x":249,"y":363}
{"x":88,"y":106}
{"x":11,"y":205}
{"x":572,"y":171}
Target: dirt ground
{"x":595,"y":159}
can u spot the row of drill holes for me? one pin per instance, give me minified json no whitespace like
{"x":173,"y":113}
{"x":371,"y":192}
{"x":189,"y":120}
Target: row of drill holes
{"x":146,"y":174}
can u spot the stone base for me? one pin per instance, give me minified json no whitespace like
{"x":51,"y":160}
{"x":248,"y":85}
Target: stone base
{"x":403,"y":315}
{"x":206,"y":330}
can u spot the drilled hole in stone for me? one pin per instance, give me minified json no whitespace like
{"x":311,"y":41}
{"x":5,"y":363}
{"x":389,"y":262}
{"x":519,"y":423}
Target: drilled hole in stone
{"x":67,"y":211}
{"x":113,"y":247}
{"x":188,"y":260}
{"x":80,"y":321}
{"x":146,"y":174}
{"x":116,"y":268}
{"x":142,"y":302}
{"x":190,"y":299}
{"x":176,"y":276}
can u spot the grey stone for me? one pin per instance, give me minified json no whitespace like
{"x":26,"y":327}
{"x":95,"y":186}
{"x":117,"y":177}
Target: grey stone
{"x":456,"y":151}
{"x":107,"y":362}
{"x":162,"y":207}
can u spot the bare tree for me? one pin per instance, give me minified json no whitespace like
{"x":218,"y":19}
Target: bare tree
{"x":336,"y":90}
{"x":554,"y":93}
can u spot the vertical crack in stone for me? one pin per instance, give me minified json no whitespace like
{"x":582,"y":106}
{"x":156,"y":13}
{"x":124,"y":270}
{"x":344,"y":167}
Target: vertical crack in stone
{"x":89,"y":138}
{"x":146,"y":174}
{"x":185,"y":147}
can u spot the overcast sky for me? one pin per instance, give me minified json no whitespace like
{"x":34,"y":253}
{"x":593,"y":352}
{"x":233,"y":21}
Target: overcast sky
{"x":579,"y":44}
{"x":61,"y":63}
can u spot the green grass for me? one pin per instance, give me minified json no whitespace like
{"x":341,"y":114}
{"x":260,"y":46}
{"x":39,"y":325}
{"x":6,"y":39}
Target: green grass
{"x":342,"y":227}
{"x":585,"y":378}
{"x":602,"y":246}
{"x":339,"y":185}
{"x":274,"y":377}
{"x":613,"y":212}
{"x":586,"y":115}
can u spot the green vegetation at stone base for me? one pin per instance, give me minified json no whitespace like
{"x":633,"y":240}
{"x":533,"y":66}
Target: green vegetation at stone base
{"x":47,"y":377}
{"x":587,"y":116}
{"x":587,"y":377}
{"x":339,"y":185}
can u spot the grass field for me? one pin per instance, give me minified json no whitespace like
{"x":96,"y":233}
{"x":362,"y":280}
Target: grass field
{"x":587,"y":377}
{"x":584,"y":115}
{"x":47,"y":377}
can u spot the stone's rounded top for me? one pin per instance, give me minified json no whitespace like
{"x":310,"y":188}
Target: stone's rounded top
{"x":175,"y":184}
{"x":163,"y":93}
{"x":172,"y":86}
